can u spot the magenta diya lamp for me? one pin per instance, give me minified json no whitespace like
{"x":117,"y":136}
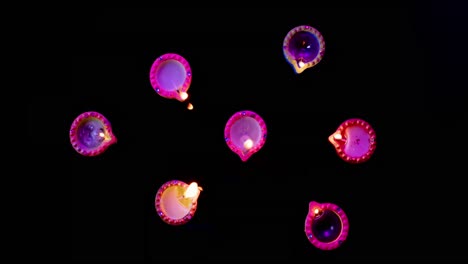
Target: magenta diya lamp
{"x":245,"y":134}
{"x":354,"y":140}
{"x":176,"y":201}
{"x":170,"y":77}
{"x":91,"y":134}
{"x":303,"y":47}
{"x":326,"y":225}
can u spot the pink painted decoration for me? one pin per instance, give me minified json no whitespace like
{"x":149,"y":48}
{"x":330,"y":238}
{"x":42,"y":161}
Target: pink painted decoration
{"x":245,"y":134}
{"x":173,"y":206}
{"x":303,"y":47}
{"x":354,"y":140}
{"x":326,"y":225}
{"x":170,"y":76}
{"x":91,"y":134}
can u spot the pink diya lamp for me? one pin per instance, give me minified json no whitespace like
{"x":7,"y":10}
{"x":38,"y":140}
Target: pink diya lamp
{"x":326,"y":225}
{"x":303,"y":47}
{"x":91,"y":134}
{"x":354,"y":140}
{"x":176,"y":201}
{"x":245,"y":134}
{"x":170,"y":77}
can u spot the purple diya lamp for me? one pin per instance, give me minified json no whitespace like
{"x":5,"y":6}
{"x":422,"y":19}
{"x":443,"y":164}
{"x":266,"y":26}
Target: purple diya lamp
{"x":91,"y":134}
{"x":170,"y":76}
{"x":245,"y":134}
{"x":176,"y":201}
{"x":326,"y":225}
{"x":303,"y":47}
{"x":354,"y":140}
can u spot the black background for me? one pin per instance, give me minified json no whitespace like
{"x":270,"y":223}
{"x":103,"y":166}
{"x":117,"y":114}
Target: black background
{"x":397,"y":68}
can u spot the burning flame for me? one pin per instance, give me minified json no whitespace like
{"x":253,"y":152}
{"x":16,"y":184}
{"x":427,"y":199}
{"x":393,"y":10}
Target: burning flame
{"x":337,"y":136}
{"x":183,"y":95}
{"x":192,"y":191}
{"x":248,"y":144}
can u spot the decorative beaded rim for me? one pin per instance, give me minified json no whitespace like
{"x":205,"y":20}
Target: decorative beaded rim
{"x":339,"y":144}
{"x":309,"y":221}
{"x":164,"y":217}
{"x":176,"y":94}
{"x":227,"y":131}
{"x":290,"y":57}
{"x":110,"y":138}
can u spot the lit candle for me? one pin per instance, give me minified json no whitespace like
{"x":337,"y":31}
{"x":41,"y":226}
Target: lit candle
{"x":176,"y":201}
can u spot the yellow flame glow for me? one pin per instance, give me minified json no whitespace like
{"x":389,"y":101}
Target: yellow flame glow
{"x":248,"y":144}
{"x":183,"y":95}
{"x":337,"y":136}
{"x":192,"y":190}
